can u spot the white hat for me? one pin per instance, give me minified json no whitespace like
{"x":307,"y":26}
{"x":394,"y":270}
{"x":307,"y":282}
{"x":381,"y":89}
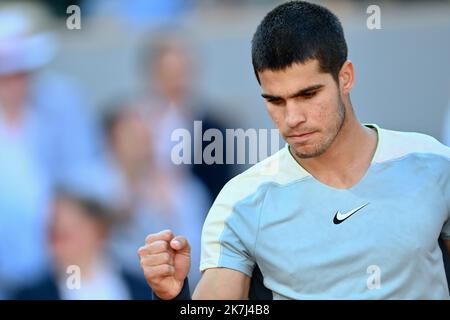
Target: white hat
{"x":20,"y":49}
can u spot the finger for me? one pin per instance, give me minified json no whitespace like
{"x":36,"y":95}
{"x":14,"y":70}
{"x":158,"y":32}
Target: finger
{"x":155,"y":272}
{"x":180,"y":244}
{"x":145,"y":250}
{"x":159,"y":246}
{"x":157,"y":259}
{"x":165,"y":235}
{"x":142,"y":251}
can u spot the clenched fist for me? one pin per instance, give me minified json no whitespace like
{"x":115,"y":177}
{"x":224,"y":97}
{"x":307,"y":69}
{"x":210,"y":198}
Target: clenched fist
{"x":165,"y":260}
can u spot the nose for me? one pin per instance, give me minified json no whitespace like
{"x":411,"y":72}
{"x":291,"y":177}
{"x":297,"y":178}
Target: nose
{"x":294,"y":115}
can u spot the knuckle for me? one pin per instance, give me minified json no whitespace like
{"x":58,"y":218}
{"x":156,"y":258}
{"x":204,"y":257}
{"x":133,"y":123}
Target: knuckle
{"x":159,"y":245}
{"x":149,"y":238}
{"x":152,"y":246}
{"x":169,"y":234}
{"x":141,"y":251}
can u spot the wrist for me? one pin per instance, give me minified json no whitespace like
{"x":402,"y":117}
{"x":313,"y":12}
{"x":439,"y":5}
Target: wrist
{"x":184,"y":293}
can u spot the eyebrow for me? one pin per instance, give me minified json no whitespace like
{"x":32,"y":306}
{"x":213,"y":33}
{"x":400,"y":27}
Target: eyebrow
{"x":295,"y":95}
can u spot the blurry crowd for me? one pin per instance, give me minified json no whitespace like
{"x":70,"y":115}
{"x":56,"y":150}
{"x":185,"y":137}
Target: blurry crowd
{"x":79,"y":192}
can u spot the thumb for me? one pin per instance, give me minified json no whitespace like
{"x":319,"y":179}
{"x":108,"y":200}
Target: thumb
{"x":182,"y":257}
{"x":181,"y":245}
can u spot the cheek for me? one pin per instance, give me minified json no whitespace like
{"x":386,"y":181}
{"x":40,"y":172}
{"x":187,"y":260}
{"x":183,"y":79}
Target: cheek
{"x":325,"y":112}
{"x":276,"y":114}
{"x":316,"y":115}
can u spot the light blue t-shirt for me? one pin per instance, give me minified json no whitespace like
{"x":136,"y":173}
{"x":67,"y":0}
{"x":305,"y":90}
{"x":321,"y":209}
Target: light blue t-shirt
{"x":375,"y":240}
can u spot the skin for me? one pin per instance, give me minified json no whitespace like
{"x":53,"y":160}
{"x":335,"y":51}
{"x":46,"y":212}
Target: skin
{"x":337,"y":152}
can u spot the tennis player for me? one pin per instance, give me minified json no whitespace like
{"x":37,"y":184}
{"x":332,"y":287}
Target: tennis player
{"x":345,"y":211}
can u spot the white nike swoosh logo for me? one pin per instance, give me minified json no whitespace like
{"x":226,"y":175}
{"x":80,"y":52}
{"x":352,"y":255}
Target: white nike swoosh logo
{"x":340,"y":217}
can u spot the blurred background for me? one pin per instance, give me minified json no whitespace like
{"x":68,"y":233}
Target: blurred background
{"x":86,"y":117}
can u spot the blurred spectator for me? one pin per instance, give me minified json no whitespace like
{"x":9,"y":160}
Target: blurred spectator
{"x":158,"y":199}
{"x":172,"y":102}
{"x":24,"y":193}
{"x":43,"y":135}
{"x":78,"y":237}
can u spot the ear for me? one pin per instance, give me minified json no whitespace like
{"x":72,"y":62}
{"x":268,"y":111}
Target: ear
{"x":346,"y":77}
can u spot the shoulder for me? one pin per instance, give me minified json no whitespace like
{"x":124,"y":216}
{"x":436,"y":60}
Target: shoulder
{"x":397,"y":144}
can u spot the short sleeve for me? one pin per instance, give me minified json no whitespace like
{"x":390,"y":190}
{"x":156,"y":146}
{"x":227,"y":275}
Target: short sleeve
{"x":231,"y":227}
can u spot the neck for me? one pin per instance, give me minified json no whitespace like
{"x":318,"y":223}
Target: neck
{"x":345,"y":162}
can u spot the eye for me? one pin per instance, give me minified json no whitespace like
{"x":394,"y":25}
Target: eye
{"x":276,"y":102}
{"x":309,"y":95}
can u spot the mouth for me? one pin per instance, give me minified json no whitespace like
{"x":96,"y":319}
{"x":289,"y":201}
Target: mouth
{"x":300,"y":138}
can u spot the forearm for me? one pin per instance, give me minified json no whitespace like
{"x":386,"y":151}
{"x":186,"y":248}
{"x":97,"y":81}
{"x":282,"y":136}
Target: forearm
{"x":222,"y":284}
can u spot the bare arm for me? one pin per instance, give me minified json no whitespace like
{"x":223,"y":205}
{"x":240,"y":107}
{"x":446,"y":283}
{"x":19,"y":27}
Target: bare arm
{"x":222,"y":284}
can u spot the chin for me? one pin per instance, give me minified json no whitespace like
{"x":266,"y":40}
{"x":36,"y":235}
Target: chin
{"x":306,"y":152}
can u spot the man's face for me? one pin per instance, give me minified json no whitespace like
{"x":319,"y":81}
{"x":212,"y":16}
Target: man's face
{"x":305,"y":105}
{"x":172,"y":74}
{"x":74,"y":236}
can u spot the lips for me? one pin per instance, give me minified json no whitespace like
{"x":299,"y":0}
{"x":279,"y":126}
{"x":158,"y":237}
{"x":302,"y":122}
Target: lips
{"x":299,"y":138}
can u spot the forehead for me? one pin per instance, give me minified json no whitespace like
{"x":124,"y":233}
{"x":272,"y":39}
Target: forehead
{"x":295,"y":77}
